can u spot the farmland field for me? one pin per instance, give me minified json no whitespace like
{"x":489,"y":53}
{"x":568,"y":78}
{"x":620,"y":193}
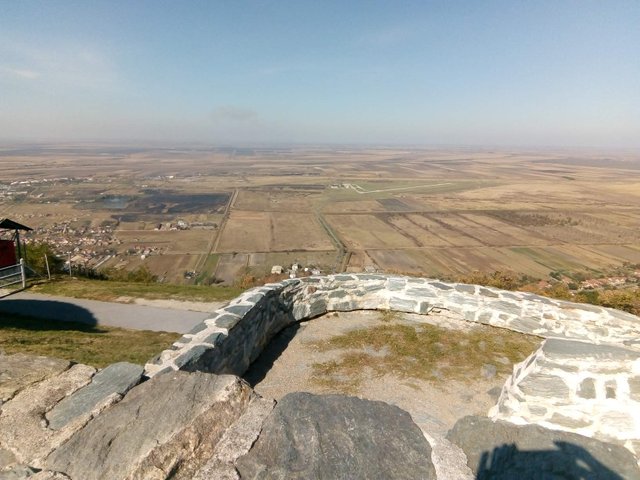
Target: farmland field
{"x":221,"y":213}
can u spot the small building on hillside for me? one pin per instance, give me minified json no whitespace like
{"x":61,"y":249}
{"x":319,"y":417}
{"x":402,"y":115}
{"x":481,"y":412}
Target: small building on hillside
{"x":11,"y":247}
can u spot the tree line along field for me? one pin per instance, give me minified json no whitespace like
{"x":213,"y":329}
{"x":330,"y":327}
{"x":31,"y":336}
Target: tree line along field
{"x":429,"y":212}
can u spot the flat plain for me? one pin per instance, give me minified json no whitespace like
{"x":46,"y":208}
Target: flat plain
{"x":434,"y":212}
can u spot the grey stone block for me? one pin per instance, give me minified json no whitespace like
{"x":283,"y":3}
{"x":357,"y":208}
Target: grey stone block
{"x":537,"y":298}
{"x":577,"y":349}
{"x":485,"y":292}
{"x":568,"y":422}
{"x":254,"y":298}
{"x":240,"y":310}
{"x":198,"y":328}
{"x":419,"y":293}
{"x":506,"y":307}
{"x":441,"y":286}
{"x":424,"y":307}
{"x":344,"y":278}
{"x":191,"y":356}
{"x":227,"y":321}
{"x":312,"y":280}
{"x":117,"y":378}
{"x":510,"y":296}
{"x":215,"y":338}
{"x":544,"y":385}
{"x":537,"y":410}
{"x":372,"y":287}
{"x":338,"y":294}
{"x":183,"y":340}
{"x":367,"y":276}
{"x":525,"y":324}
{"x":471,"y":289}
{"x":335,"y":437}
{"x":396,"y":284}
{"x":402,"y":304}
{"x":319,"y":307}
{"x":300,"y":311}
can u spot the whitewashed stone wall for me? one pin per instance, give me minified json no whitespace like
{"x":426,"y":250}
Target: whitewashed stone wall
{"x":593,"y":390}
{"x":585,"y":378}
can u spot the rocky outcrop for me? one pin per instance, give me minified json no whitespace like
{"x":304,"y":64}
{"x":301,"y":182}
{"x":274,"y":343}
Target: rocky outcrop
{"x":107,"y":386}
{"x":23,"y":430}
{"x":202,"y":426}
{"x":164,"y":428}
{"x":502,"y":450}
{"x":331,"y":436}
{"x":585,"y":378}
{"x":19,"y":371}
{"x":236,"y":441}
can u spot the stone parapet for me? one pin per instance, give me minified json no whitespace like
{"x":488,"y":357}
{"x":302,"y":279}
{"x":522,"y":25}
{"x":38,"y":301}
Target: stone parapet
{"x":234,"y":335}
{"x":593,"y":390}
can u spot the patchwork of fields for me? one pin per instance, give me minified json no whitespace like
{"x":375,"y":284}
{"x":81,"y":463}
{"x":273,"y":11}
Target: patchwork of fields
{"x":429,"y":212}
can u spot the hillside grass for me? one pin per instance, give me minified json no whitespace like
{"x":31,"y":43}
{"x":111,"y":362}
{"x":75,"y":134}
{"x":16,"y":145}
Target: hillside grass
{"x":110,"y":290}
{"x":81,"y":343}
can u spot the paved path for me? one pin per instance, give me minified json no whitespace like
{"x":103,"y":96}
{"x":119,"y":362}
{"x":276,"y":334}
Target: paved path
{"x":93,"y":312}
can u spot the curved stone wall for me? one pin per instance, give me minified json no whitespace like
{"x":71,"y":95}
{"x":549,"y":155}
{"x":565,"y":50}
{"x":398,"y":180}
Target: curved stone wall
{"x":588,"y":370}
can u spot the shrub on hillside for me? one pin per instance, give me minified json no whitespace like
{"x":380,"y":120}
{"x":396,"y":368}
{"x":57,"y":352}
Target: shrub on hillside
{"x":35,"y":258}
{"x":142,"y":274}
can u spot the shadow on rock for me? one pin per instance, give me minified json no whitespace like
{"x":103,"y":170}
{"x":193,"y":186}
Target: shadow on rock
{"x":46,"y":315}
{"x":569,"y":462}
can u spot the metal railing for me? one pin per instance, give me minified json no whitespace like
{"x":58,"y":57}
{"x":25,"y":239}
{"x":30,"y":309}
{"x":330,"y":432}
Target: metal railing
{"x":13,"y":274}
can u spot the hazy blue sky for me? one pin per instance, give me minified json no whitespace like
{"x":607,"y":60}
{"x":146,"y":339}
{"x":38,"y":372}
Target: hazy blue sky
{"x":420,"y":72}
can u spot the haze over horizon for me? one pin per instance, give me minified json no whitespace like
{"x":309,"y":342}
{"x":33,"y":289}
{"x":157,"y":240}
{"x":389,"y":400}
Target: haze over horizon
{"x":547,"y":73}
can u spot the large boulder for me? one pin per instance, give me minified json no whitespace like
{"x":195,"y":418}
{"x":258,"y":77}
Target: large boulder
{"x":501,"y":450}
{"x":167,"y":427}
{"x":333,"y":436}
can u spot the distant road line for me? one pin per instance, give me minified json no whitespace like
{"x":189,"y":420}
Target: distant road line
{"x":225,"y":217}
{"x":341,"y":247}
{"x":215,"y":239}
{"x":362,"y":191}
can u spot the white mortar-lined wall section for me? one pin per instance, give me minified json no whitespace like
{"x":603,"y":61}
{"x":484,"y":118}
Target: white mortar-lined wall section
{"x":584,"y":379}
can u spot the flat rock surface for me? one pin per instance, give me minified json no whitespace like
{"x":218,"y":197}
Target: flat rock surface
{"x":117,"y":379}
{"x":236,"y":441}
{"x":502,"y":450}
{"x":166,"y":427}
{"x":19,"y":370}
{"x":333,"y":436}
{"x":22,"y":427}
